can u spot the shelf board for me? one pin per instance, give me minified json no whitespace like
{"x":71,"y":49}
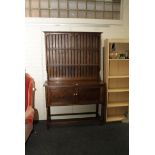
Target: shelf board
{"x":119,"y":59}
{"x":116,"y":118}
{"x":118,"y":90}
{"x":118,"y":77}
{"x":117,"y":40}
{"x":117,"y":104}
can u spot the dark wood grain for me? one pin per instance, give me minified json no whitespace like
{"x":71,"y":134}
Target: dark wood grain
{"x":73,"y":55}
{"x":73,"y":70}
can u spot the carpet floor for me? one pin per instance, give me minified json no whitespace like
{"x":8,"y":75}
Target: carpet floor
{"x":108,"y":139}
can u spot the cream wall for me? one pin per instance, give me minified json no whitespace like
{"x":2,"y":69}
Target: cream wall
{"x":35,"y":48}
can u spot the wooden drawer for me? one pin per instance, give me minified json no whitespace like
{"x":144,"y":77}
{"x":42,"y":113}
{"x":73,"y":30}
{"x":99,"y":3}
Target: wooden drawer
{"x":60,"y":96}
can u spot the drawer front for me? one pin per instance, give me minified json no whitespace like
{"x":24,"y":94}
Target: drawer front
{"x":60,"y":96}
{"x":88,"y":95}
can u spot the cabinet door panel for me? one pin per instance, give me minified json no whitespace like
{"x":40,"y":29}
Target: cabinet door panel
{"x":88,"y":96}
{"x":60,"y":96}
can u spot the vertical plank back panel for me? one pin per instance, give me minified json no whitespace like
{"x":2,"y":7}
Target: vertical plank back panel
{"x":72,"y":55}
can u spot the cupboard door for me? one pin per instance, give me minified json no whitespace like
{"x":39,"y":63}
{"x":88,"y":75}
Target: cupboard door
{"x":88,"y":96}
{"x":60,"y":96}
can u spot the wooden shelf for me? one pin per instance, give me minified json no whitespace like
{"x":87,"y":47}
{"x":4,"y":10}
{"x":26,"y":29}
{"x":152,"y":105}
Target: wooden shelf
{"x":117,"y":104}
{"x":72,"y":55}
{"x":116,"y":118}
{"x":73,"y":75}
{"x":117,"y":40}
{"x":118,"y":77}
{"x":119,"y":59}
{"x":118,"y":90}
